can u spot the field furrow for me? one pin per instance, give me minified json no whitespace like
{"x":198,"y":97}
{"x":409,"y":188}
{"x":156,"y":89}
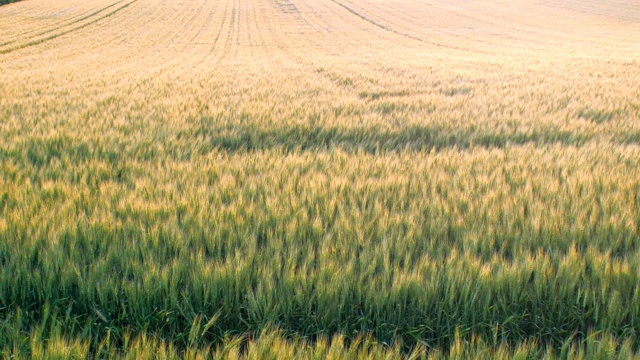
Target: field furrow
{"x":54,"y":33}
{"x":23,"y":20}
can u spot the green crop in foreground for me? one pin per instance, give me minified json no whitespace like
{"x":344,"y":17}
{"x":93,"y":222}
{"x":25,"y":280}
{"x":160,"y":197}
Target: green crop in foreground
{"x":515,"y":244}
{"x":270,"y":344}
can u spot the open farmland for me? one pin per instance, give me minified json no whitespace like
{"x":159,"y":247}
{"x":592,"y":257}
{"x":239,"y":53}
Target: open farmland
{"x":320,"y":178}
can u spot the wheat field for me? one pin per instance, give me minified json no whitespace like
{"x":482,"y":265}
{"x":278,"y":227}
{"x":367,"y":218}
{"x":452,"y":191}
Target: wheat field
{"x":341,"y":179}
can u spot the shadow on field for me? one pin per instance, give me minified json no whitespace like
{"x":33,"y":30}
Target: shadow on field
{"x":369,"y":139}
{"x":202,"y":139}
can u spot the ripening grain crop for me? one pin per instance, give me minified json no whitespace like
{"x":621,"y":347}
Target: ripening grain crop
{"x":320,"y":179}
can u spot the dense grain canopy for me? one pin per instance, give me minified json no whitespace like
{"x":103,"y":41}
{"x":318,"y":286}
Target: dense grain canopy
{"x":329,"y":178}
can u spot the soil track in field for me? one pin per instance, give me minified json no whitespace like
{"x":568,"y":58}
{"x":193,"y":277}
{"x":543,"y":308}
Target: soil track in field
{"x":5,"y":2}
{"x":75,"y":25}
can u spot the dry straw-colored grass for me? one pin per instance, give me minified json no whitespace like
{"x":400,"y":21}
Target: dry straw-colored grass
{"x":320,"y":179}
